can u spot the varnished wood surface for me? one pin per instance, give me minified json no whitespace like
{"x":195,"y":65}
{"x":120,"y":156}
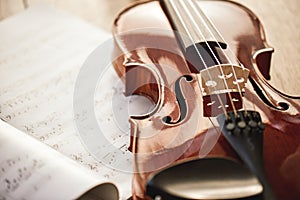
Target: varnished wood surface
{"x":280,"y":18}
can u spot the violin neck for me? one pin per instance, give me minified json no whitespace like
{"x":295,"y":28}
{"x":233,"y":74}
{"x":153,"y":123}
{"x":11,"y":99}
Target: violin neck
{"x":190,"y":23}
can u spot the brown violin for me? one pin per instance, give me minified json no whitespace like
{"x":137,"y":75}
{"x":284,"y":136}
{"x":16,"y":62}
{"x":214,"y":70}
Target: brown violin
{"x":205,"y":65}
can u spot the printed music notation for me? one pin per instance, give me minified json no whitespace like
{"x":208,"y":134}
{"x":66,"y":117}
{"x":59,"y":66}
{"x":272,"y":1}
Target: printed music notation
{"x":16,"y":171}
{"x":32,"y":170}
{"x":38,"y":70}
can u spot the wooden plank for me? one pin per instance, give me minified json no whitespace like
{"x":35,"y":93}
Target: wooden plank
{"x":10,"y":7}
{"x":98,"y":12}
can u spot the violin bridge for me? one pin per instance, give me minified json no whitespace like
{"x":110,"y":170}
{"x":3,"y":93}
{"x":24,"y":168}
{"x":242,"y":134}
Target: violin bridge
{"x":223,"y":78}
{"x":217,"y":83}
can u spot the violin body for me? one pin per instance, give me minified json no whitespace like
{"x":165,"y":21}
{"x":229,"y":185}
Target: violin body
{"x":181,"y":126}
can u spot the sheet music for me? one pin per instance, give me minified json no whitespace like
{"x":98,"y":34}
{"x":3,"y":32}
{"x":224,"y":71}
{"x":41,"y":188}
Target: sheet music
{"x":31,"y":170}
{"x":41,"y":53}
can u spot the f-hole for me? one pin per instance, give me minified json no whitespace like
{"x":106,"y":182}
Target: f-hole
{"x":181,"y":101}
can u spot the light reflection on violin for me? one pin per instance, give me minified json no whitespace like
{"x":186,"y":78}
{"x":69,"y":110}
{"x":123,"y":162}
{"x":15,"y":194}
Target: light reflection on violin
{"x":197,"y":60}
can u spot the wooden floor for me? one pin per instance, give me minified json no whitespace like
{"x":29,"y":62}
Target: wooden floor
{"x":281,"y":19}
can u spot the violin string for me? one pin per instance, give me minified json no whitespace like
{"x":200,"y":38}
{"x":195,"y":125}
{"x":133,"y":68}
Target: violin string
{"x":211,"y":51}
{"x":193,"y":5}
{"x":197,"y":10}
{"x":200,"y":56}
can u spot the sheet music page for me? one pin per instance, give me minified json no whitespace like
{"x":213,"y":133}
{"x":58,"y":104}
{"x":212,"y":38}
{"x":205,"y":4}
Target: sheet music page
{"x":32,"y":170}
{"x":41,"y":53}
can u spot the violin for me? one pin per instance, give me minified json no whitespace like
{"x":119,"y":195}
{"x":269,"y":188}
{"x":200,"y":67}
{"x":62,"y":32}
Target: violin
{"x":205,"y":65}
